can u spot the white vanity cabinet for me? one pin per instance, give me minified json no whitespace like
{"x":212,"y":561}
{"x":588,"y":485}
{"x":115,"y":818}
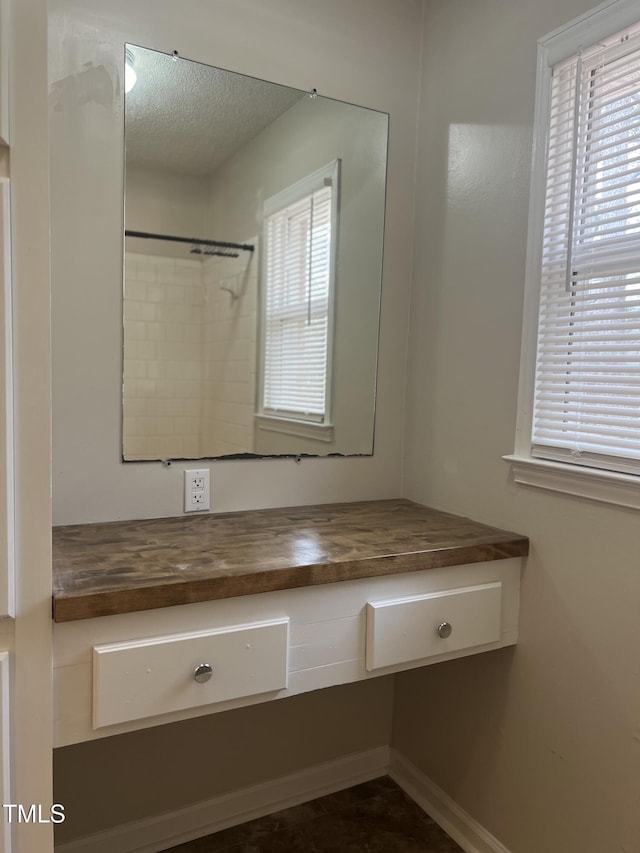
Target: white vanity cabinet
{"x":128,"y":671}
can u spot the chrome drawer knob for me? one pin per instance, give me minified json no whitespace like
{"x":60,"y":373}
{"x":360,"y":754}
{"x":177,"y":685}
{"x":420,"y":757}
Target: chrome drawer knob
{"x":444,"y":630}
{"x":202,"y":673}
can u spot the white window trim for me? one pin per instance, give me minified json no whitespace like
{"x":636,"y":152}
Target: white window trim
{"x":289,"y":426}
{"x":597,"y":484}
{"x":286,"y":197}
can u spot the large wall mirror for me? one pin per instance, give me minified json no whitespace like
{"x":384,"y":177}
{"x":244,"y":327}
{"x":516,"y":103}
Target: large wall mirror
{"x":254,"y":218}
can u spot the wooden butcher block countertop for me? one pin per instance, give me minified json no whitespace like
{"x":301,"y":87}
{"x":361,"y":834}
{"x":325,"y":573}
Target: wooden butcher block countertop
{"x":125,"y":566}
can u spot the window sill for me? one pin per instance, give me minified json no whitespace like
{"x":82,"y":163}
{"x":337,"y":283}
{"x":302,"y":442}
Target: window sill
{"x":301,"y":429}
{"x":592,"y":483}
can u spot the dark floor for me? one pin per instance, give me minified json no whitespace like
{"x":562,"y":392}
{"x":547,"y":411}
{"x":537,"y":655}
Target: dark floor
{"x":376,"y":817}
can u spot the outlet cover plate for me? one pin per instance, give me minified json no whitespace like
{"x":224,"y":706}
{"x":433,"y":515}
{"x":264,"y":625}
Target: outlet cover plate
{"x":197,"y":491}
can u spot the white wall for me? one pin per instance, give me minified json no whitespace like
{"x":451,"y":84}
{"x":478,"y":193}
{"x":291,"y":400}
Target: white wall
{"x":161,"y":202}
{"x":541,"y":743}
{"x":30,"y":632}
{"x":373,"y":50}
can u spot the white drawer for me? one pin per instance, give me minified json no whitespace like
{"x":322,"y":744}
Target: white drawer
{"x":407,"y":629}
{"x":155,"y":675}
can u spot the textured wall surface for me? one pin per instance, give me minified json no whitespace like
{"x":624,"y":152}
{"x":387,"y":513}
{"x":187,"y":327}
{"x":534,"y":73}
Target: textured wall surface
{"x":540,"y":744}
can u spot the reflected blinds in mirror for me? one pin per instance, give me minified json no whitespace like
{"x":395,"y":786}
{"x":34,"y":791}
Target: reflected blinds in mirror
{"x":297,"y":302}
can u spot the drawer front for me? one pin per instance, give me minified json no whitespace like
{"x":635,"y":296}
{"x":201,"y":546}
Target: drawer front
{"x":153,"y":676}
{"x":408,"y":629}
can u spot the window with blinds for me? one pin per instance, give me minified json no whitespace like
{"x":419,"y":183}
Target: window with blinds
{"x":586,"y":408}
{"x":297,"y":298}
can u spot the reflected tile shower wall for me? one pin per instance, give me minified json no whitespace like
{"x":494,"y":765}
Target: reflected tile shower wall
{"x":163,"y":305}
{"x":229,"y":363}
{"x":189,"y":357}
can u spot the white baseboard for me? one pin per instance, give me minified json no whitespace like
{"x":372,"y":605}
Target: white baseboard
{"x":171,"y":828}
{"x":464,"y":829}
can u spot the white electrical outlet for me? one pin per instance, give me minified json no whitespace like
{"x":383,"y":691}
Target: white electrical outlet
{"x":197,"y":494}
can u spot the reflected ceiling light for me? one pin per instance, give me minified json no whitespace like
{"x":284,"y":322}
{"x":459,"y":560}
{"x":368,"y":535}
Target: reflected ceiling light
{"x":130,"y":76}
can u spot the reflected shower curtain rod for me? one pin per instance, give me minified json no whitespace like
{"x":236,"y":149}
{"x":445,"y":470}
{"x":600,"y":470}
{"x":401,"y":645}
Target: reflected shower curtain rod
{"x":195,"y":241}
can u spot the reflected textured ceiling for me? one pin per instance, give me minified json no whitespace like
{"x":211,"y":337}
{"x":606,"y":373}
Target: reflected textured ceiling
{"x":188,"y":118}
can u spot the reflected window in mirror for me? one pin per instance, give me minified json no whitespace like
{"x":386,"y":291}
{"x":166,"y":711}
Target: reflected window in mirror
{"x":209,"y":371}
{"x":297,"y":299}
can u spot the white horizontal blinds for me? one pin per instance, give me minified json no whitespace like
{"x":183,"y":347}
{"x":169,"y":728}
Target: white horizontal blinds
{"x":587,"y":393}
{"x":296,"y":307}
